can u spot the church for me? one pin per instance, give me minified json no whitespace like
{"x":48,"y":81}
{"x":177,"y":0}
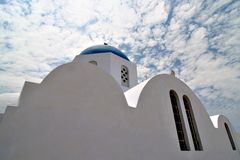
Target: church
{"x":93,"y":108}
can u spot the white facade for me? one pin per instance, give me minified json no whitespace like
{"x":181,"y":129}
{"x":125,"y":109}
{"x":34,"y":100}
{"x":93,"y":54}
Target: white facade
{"x":112,"y":64}
{"x":79,"y":111}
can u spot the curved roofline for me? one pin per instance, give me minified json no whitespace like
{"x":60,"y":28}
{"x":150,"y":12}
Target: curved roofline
{"x":104,"y":49}
{"x":133,"y":94}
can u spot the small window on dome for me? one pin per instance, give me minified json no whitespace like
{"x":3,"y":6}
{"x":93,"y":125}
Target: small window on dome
{"x":124,"y":76}
{"x":93,"y":62}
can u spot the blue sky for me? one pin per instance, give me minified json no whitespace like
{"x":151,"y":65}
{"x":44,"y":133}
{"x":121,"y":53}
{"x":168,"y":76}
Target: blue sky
{"x":199,"y":40}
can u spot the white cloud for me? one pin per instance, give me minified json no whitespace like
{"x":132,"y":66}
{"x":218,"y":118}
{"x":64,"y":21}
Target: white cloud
{"x":157,"y":15}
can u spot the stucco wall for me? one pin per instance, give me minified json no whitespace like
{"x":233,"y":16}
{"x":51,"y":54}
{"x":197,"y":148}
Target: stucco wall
{"x":1,"y":115}
{"x":116,"y":64}
{"x":80,"y":112}
{"x":112,"y":64}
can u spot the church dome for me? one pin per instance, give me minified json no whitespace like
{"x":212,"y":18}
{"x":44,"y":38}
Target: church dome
{"x":98,"y":49}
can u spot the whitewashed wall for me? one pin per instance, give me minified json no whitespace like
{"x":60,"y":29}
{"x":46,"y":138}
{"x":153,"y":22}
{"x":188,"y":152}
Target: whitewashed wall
{"x":80,"y":112}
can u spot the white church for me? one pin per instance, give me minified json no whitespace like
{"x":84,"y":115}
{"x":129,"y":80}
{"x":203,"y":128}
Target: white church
{"x":93,"y":108}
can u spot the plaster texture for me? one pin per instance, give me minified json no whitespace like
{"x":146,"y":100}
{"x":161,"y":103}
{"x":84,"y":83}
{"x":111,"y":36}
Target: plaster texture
{"x":111,"y":64}
{"x":80,"y":112}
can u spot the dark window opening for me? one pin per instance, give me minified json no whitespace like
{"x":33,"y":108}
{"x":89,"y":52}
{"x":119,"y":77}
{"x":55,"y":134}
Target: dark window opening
{"x":93,"y":62}
{"x":179,"y":122}
{"x":230,"y":136}
{"x":192,"y":124}
{"x":124,"y":76}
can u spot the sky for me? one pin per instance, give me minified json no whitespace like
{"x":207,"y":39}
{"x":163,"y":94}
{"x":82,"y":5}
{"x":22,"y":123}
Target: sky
{"x":199,"y":40}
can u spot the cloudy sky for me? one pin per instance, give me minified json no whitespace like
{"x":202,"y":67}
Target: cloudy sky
{"x":199,"y":40}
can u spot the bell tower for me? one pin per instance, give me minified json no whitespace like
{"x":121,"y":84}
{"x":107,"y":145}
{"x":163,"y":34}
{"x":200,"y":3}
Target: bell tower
{"x":112,"y":61}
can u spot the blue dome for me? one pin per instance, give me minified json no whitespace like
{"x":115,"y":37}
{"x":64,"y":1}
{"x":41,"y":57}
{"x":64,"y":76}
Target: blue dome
{"x":98,"y":49}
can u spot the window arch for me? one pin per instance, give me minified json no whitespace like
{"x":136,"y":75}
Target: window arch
{"x":124,"y":76}
{"x":179,"y":122}
{"x":230,"y":136}
{"x":192,"y":124}
{"x":93,"y":62}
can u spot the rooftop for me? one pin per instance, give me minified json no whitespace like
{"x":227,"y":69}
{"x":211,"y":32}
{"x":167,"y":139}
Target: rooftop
{"x":98,"y":49}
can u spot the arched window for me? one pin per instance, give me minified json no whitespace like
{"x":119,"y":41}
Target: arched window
{"x":124,"y":76}
{"x":192,"y":124}
{"x":230,"y":136}
{"x":93,"y":62}
{"x":179,"y":122}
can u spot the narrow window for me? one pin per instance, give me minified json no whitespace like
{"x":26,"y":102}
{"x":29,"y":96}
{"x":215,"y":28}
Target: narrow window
{"x":179,"y":122}
{"x":124,"y":76}
{"x":93,"y":62}
{"x":230,"y":136}
{"x":192,"y":124}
